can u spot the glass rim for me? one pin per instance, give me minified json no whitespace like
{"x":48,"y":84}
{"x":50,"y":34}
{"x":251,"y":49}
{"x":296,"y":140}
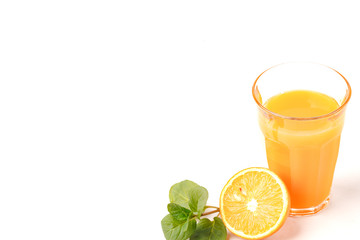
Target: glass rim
{"x":343,"y":104}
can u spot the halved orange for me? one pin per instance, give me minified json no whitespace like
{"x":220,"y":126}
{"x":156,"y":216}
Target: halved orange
{"x":254,"y":203}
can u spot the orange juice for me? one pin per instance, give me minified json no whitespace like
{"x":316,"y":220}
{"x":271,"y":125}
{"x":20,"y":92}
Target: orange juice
{"x":301,"y":146}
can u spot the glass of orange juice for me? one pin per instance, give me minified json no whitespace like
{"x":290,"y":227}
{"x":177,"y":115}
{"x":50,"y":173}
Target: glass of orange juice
{"x":301,"y":114}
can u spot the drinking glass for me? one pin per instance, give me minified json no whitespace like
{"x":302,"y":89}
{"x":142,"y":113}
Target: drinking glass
{"x":302,"y":150}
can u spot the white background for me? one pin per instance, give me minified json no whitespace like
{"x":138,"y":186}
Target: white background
{"x":106,"y":104}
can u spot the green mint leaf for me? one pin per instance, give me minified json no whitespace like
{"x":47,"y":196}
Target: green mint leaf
{"x":198,"y":198}
{"x":180,"y":193}
{"x":177,"y":230}
{"x":210,"y":230}
{"x":178,"y":212}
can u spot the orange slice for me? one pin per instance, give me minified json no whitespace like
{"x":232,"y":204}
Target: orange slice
{"x":254,"y":203}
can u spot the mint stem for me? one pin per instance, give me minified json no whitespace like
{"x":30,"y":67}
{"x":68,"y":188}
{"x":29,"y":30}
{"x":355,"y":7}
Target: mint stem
{"x":211,"y":207}
{"x":211,"y":212}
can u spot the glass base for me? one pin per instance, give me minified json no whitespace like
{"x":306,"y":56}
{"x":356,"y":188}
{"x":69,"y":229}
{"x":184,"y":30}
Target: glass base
{"x":298,"y":212}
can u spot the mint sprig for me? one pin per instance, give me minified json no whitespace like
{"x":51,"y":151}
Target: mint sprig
{"x":186,"y":215}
